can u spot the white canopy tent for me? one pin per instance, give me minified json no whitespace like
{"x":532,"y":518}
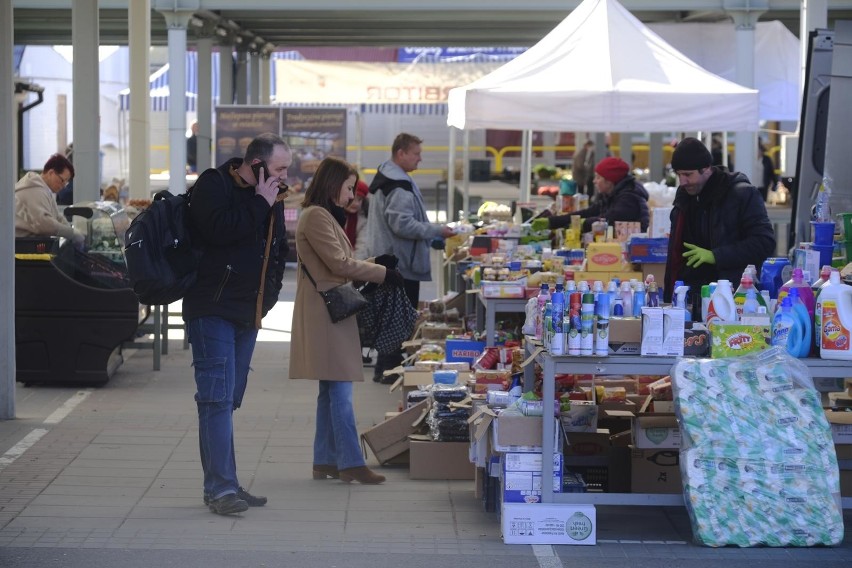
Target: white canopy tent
{"x":602,"y":70}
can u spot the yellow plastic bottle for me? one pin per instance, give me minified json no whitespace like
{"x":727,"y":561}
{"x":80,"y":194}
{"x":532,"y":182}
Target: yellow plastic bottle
{"x":835,"y":316}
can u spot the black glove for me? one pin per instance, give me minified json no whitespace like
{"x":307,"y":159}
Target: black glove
{"x":387,"y":260}
{"x":394,"y":278}
{"x":437,"y":244}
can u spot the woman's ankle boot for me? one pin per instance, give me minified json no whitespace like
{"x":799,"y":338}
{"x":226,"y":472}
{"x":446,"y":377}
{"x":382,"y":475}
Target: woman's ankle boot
{"x":325,"y":472}
{"x":361,"y":474}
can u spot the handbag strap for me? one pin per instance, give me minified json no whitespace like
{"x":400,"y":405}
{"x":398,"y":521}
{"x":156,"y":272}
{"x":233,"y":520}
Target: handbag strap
{"x":308,"y":274}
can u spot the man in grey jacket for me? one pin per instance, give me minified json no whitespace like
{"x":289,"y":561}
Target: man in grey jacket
{"x":397,"y":225}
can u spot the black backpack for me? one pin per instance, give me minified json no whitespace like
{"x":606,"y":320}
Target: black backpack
{"x":162,"y":263}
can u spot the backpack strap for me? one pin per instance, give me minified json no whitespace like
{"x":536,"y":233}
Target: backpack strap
{"x":386,"y":184}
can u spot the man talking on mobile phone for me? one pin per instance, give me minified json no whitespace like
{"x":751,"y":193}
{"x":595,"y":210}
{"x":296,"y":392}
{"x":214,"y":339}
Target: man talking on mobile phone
{"x":237,"y":219}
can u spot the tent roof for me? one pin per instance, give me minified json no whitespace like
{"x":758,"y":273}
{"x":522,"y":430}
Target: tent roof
{"x":602,"y":70}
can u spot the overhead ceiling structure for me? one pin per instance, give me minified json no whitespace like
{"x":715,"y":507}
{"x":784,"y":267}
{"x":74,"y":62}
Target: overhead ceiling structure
{"x":383,"y":22}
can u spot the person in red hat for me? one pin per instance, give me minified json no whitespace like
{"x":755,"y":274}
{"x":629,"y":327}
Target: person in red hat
{"x":620,"y":197}
{"x":356,"y":220}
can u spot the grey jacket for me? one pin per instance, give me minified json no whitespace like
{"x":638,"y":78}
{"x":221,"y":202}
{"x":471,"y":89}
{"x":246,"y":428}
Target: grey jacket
{"x":397,"y":224}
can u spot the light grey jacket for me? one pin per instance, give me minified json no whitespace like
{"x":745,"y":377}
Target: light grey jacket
{"x":397,"y":224}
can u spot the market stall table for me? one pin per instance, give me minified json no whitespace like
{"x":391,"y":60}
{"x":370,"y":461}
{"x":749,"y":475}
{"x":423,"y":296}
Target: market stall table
{"x":551,"y":365}
{"x":487,"y":310}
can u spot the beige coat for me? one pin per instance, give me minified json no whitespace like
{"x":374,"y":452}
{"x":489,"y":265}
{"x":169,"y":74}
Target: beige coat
{"x":319,"y":349}
{"x":36,"y":211}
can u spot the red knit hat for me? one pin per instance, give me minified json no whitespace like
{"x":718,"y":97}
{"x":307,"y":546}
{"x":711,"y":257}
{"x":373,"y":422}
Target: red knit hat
{"x":361,"y":188}
{"x":612,"y":169}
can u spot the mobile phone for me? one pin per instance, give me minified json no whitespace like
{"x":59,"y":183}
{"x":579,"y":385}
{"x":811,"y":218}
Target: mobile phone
{"x":256,"y":169}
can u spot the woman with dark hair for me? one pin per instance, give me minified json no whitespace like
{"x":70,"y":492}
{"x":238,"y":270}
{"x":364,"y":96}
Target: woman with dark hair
{"x":321,"y":350}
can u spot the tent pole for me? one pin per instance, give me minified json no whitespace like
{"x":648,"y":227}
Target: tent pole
{"x":465,"y":173}
{"x":451,"y":173}
{"x":526,"y":165}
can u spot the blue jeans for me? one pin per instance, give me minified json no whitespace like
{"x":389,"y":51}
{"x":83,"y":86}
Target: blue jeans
{"x":336,"y":438}
{"x":221,"y":354}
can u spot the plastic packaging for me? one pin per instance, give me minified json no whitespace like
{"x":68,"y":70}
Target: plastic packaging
{"x":835,"y":313}
{"x":822,"y":209}
{"x":722,"y":307}
{"x":541,"y":302}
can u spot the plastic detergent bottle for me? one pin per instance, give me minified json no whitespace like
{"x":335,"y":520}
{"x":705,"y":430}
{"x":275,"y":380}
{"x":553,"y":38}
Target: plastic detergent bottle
{"x":746,"y":284}
{"x":784,"y":331}
{"x":805,"y":292}
{"x":558,"y":313}
{"x":835,"y":306}
{"x":750,"y":304}
{"x":681,"y":294}
{"x":543,"y":297}
{"x":722,"y":306}
{"x":803,"y":322}
{"x":824,"y":274}
{"x":705,"y":301}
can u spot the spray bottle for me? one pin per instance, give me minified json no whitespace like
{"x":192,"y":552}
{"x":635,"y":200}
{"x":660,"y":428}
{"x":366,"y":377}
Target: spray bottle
{"x":681,"y":293}
{"x":612,"y":292}
{"x":558,"y":313}
{"x":626,"y":298}
{"x":587,"y":325}
{"x":575,"y":305}
{"x":638,"y":299}
{"x":602,"y":334}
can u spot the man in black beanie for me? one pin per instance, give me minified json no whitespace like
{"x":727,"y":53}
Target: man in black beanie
{"x":719,"y":224}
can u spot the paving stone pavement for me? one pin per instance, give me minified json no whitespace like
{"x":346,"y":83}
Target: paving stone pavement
{"x":121,"y":471}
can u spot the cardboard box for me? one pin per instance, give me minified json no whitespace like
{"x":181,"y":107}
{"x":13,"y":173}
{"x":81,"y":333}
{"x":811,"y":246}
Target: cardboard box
{"x":648,"y":250}
{"x":439,"y":460}
{"x":625,"y":336}
{"x":390,"y":438}
{"x":733,"y":340}
{"x":655,"y":471}
{"x":655,"y":431}
{"x":652,"y":331}
{"x":657,"y":269}
{"x":520,"y":434}
{"x":521,"y":477}
{"x":540,"y":523}
{"x":674,"y":322}
{"x":465,"y":350}
{"x":661,"y":222}
{"x":504,"y":289}
{"x":841,"y":426}
{"x":604,"y":257}
{"x":696,"y":342}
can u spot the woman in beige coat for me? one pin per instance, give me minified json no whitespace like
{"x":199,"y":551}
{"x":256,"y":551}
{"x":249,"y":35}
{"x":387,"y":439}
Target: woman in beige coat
{"x":321,"y":350}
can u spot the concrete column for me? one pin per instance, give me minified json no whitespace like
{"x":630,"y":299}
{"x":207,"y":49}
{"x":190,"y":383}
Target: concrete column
{"x":465,"y":175}
{"x":526,"y":168}
{"x":8,"y":177}
{"x":625,"y":142}
{"x":241,"y":80}
{"x":254,"y":77}
{"x":205,"y":95}
{"x":745,"y":20}
{"x":86,"y":91}
{"x":139,"y":130}
{"x":177,"y":21}
{"x":265,"y":78}
{"x":451,"y":173}
{"x":226,"y":73}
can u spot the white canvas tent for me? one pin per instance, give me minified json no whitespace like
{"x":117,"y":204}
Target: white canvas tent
{"x":602,"y":70}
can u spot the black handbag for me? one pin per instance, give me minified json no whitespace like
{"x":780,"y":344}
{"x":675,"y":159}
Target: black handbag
{"x":388,"y":319}
{"x":342,"y":301}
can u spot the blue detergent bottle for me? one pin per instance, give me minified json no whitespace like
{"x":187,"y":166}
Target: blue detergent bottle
{"x":784,"y":329}
{"x":800,"y":312}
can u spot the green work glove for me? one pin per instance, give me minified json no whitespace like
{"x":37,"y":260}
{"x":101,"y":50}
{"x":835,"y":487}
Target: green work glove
{"x":696,"y":256}
{"x":541,"y":224}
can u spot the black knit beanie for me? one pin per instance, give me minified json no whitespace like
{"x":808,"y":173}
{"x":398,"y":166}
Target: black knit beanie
{"x":691,"y":154}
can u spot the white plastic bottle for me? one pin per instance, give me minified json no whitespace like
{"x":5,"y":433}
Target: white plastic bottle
{"x":835,"y":316}
{"x":722,"y":307}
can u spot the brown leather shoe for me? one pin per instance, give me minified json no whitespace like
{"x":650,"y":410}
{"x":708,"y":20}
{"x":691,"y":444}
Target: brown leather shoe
{"x":325,"y":472}
{"x":361,"y":474}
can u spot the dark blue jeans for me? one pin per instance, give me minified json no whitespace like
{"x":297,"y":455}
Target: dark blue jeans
{"x":221,"y":354}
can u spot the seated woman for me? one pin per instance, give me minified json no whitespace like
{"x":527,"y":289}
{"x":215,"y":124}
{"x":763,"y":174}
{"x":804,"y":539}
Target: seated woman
{"x":619,"y":197}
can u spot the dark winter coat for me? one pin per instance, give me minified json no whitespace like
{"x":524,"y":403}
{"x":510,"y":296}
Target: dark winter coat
{"x":627,"y":202}
{"x":231,"y":223}
{"x":728,"y":218}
